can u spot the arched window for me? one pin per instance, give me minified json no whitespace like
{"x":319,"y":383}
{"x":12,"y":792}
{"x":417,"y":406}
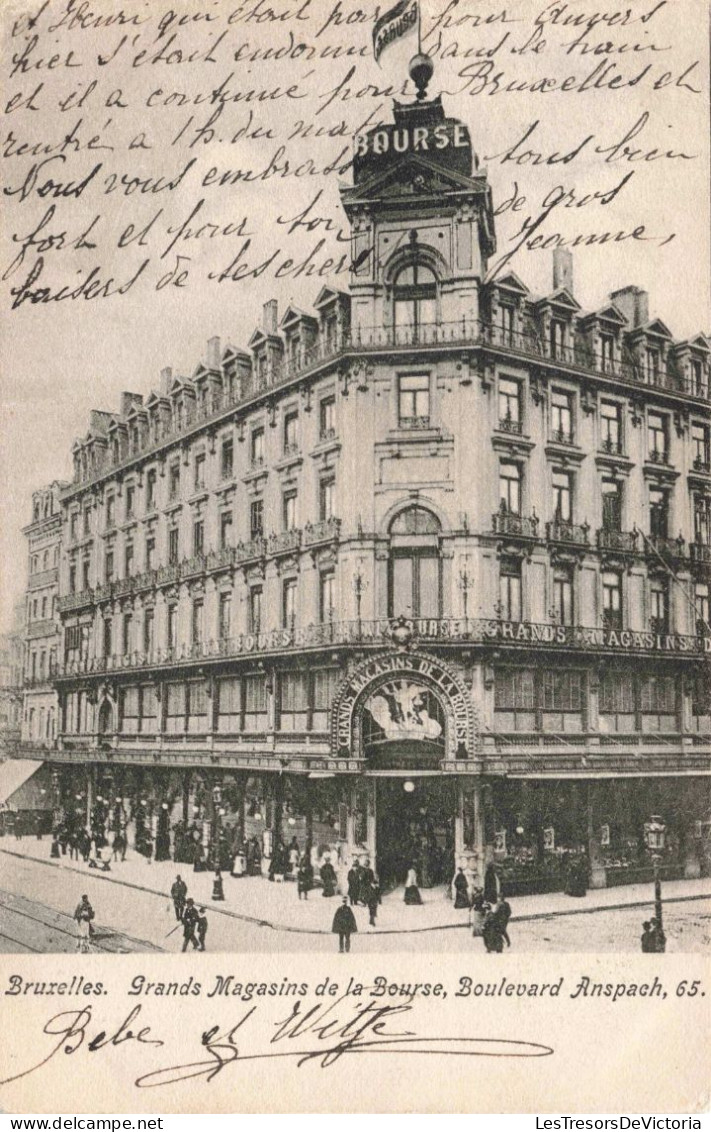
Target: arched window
{"x":415,"y":301}
{"x":415,"y":575}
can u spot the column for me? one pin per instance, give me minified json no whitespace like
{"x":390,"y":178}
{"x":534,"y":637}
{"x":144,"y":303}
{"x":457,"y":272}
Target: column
{"x":598,"y":877}
{"x":372,"y":819}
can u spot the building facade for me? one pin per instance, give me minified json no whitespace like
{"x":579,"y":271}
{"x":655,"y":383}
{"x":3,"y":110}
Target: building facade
{"x":42,"y":624}
{"x":422,"y":572}
{"x":11,"y":678}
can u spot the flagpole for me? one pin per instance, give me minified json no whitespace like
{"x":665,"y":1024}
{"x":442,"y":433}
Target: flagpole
{"x":419,"y":27}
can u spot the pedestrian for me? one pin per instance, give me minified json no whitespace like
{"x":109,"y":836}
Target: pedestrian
{"x":412,"y":892}
{"x":493,"y":940}
{"x":461,"y":889}
{"x":84,"y":845}
{"x":218,"y":891}
{"x":492,"y":887}
{"x":344,"y":924}
{"x":190,"y":919}
{"x":119,"y":847}
{"x":660,"y":940}
{"x":54,"y":851}
{"x":372,"y":900}
{"x":294,"y":857}
{"x":202,"y":928}
{"x":503,"y":915}
{"x":354,"y":882}
{"x":304,"y":877}
{"x":178,"y":892}
{"x":328,"y":878}
{"x":83,"y":914}
{"x":648,"y":938}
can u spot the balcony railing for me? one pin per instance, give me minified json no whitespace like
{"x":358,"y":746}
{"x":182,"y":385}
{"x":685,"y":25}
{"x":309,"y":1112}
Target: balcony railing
{"x":191,"y":567}
{"x":562,"y":436}
{"x":509,"y":424}
{"x":625,"y":541}
{"x":701,"y":465}
{"x":560,"y":531}
{"x":611,"y":447}
{"x":284,"y":541}
{"x":75,"y":601}
{"x":658,"y":456}
{"x":518,"y":526}
{"x":327,"y":530}
{"x":253,"y":548}
{"x":700,"y":553}
{"x":43,"y":578}
{"x":611,"y":637}
{"x":666,"y":547}
{"x":218,"y":559}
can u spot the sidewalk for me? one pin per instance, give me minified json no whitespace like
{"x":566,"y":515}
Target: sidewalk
{"x":256,"y":900}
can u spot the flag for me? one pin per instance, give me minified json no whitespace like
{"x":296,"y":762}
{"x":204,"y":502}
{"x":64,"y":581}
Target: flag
{"x":394,"y":24}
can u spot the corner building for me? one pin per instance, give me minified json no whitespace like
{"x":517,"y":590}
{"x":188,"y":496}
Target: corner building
{"x":421,"y":573}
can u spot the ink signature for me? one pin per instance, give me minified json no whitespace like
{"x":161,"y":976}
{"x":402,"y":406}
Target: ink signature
{"x":321,"y":1033}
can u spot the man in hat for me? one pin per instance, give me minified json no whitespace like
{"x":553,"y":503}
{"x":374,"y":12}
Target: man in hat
{"x":178,"y":892}
{"x":202,"y":927}
{"x":344,"y":924}
{"x":190,"y":919}
{"x":83,"y":914}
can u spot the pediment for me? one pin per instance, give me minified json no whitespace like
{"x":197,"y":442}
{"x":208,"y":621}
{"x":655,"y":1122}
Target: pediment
{"x":511,"y":282}
{"x":610,"y":313}
{"x":328,"y":295}
{"x":412,"y":177}
{"x":563,"y":298}
{"x":656,"y":326}
{"x":295,"y":314}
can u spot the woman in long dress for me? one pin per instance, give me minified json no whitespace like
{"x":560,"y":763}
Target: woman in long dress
{"x":461,"y":889}
{"x":412,"y":892}
{"x":328,"y":878}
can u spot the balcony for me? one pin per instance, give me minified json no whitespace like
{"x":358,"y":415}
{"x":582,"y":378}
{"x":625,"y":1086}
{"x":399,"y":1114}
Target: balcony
{"x":702,"y":465}
{"x":326,"y":434}
{"x":509,"y":424}
{"x":327,"y":530}
{"x":104,"y":591}
{"x":624,"y":542}
{"x":123,"y":586}
{"x":413,"y":424}
{"x":670,"y":548}
{"x":572,"y":533}
{"x":700,"y":554}
{"x":75,"y":601}
{"x":167,"y":574}
{"x":658,"y":456}
{"x":562,"y":436}
{"x":251,"y":550}
{"x":285,"y":542}
{"x":219,"y":559}
{"x":515,"y":526}
{"x":193,"y":567}
{"x":43,"y":578}
{"x":611,"y":447}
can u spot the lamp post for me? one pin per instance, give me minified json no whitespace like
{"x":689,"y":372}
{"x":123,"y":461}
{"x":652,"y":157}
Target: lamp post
{"x":465,"y":584}
{"x":217,"y":817}
{"x":654,"y":836}
{"x":359,"y":587}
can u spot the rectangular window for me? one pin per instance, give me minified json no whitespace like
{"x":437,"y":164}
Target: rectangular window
{"x":199,"y":471}
{"x":224,"y":612}
{"x":326,"y":602}
{"x":225,"y":529}
{"x":702,"y":520}
{"x":562,"y":496}
{"x":293,"y":701}
{"x":510,"y":589}
{"x":256,"y":518}
{"x":110,"y":511}
{"x":197,"y":622}
{"x":229,"y":704}
{"x":701,"y":608}
{"x":658,"y":694}
{"x":326,"y":681}
{"x":198,"y":537}
{"x":509,"y":405}
{"x":148,"y":627}
{"x":149,"y":710}
{"x":130,"y":500}
{"x":611,"y":600}
{"x":151,"y":480}
{"x":257,"y":447}
{"x":173,"y":549}
{"x":73,"y":526}
{"x":562,"y":691}
{"x":288,"y":603}
{"x":86,"y":574}
{"x":108,"y":636}
{"x":150,"y":552}
{"x":73,"y":579}
{"x":657,"y":438}
{"x":289,"y":510}
{"x":507,"y":315}
{"x":255,"y":702}
{"x":172,"y":626}
{"x":617,"y":693}
{"x":699,"y":384}
{"x":515,"y":699}
{"x":197,"y":706}
{"x":607,"y":353}
{"x":255,"y":610}
{"x":611,"y":505}
{"x":127,"y":633}
{"x":510,"y":488}
{"x":326,"y":498}
{"x":610,"y":426}
{"x":563,"y":597}
{"x":659,"y":605}
{"x":654,"y":365}
{"x":700,"y":447}
{"x":227,"y":458}
{"x":109,"y":566}
{"x":658,"y":513}
{"x":562,"y":416}
{"x":130,"y":710}
{"x":414,"y":400}
{"x":291,"y":432}
{"x":174,"y":480}
{"x":557,"y":338}
{"x":87,"y":521}
{"x":327,"y":418}
{"x":175,"y":708}
{"x":128,"y":560}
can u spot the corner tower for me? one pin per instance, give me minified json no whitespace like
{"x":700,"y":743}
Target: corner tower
{"x":422,"y":225}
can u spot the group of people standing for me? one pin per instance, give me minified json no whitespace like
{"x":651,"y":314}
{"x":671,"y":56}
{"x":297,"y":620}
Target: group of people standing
{"x":364,"y":888}
{"x":490,"y":912}
{"x":192,"y":918}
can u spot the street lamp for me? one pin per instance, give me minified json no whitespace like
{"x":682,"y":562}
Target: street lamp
{"x":465,"y":583}
{"x":360,"y":585}
{"x":654,"y":836}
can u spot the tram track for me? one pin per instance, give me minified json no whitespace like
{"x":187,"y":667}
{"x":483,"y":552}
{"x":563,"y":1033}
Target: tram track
{"x":7,"y":906}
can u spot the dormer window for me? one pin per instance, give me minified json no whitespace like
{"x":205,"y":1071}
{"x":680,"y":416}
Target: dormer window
{"x":654,"y":365}
{"x":607,"y":353}
{"x":508,"y":324}
{"x":415,"y":302}
{"x":557,"y":338}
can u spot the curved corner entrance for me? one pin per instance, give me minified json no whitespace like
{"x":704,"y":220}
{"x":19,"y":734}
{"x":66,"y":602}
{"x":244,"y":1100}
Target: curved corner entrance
{"x":414,"y":828}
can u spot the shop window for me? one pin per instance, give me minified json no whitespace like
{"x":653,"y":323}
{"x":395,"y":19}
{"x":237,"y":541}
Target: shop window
{"x":514,"y":699}
{"x":148,"y":723}
{"x":562,"y":691}
{"x":658,"y":703}
{"x":293,"y":701}
{"x":414,"y":303}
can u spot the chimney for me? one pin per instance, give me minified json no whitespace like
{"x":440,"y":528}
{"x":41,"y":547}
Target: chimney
{"x":127,"y":399}
{"x":213,"y":353}
{"x":562,"y":269}
{"x":633,"y":303}
{"x":270,"y":317}
{"x":166,"y":380}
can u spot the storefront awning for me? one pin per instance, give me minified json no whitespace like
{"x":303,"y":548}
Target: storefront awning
{"x":14,"y":773}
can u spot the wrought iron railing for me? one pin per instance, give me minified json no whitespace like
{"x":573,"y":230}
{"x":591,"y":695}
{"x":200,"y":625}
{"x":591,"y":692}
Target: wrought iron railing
{"x":625,"y":541}
{"x":327,"y":530}
{"x":560,"y":531}
{"x":517,"y":526}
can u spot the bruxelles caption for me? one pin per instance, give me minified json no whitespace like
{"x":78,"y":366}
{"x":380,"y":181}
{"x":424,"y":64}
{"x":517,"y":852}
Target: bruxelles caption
{"x":466,"y":986}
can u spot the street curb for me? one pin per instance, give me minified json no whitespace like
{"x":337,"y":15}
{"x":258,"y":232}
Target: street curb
{"x":322,"y":931}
